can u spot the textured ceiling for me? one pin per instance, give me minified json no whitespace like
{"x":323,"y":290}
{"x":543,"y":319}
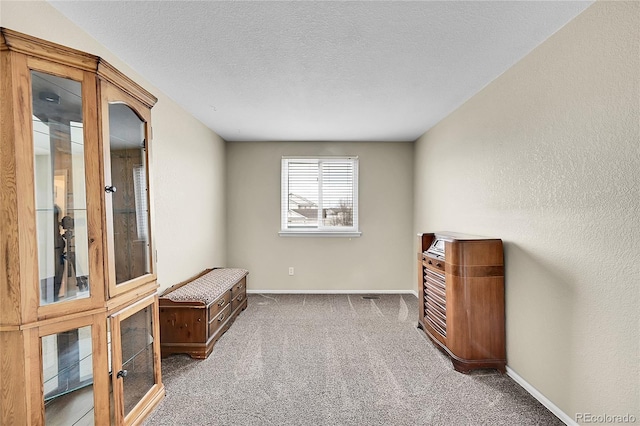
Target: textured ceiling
{"x":367,"y":71}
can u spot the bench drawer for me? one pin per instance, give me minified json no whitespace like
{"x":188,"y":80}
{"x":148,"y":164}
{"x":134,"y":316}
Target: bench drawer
{"x":218,"y":320}
{"x":237,"y":301}
{"x":219,"y":304}
{"x":238,"y":288}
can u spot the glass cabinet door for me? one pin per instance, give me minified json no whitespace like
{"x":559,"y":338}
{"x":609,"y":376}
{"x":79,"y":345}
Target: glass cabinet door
{"x":129,"y":204}
{"x":125,"y":151}
{"x":67,"y":372}
{"x":135,"y":359}
{"x":60,"y":192}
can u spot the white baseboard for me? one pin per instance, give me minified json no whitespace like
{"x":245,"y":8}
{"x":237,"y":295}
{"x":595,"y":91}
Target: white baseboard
{"x":251,"y":291}
{"x":540,"y":397}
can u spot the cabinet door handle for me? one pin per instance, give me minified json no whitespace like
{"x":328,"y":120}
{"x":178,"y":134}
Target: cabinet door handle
{"x":110,"y":189}
{"x":122,"y":373}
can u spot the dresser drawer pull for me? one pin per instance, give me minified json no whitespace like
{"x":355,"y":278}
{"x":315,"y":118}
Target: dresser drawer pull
{"x":221,"y":317}
{"x":221,"y":302}
{"x":240,"y":298}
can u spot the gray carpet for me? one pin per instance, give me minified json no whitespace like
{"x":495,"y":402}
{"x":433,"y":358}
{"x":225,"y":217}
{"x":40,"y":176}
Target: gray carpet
{"x":335,"y":360}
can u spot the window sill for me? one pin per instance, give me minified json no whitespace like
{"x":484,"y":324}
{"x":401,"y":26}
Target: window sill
{"x":339,"y":234}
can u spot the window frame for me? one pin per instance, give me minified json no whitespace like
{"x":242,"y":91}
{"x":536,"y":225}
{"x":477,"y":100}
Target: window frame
{"x":319,"y":231}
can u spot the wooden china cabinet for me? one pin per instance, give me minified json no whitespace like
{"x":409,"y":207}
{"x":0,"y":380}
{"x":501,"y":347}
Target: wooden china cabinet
{"x":79,"y":333}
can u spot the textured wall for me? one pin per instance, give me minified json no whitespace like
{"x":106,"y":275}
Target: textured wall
{"x":380,"y":259}
{"x":547,"y":157}
{"x":188,"y":157}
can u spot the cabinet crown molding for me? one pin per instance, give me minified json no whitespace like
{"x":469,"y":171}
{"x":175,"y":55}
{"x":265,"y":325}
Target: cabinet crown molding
{"x":18,"y":42}
{"x":22,"y":43}
{"x":108,"y":72}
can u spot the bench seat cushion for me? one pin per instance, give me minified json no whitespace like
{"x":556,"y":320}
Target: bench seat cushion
{"x":208,"y":287}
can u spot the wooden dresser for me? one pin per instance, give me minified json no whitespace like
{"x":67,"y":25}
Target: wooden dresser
{"x":196,"y":313}
{"x":461,"y":291}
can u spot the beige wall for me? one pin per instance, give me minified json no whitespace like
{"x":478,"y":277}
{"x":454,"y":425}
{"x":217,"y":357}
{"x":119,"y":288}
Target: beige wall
{"x":188,"y":158}
{"x":381,"y":259}
{"x":547,"y":157}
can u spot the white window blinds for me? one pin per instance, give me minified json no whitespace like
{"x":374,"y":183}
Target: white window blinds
{"x":140,"y":194}
{"x":319,"y":195}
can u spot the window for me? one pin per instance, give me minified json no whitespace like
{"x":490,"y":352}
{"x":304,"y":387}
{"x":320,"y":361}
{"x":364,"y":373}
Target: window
{"x":320,"y":196}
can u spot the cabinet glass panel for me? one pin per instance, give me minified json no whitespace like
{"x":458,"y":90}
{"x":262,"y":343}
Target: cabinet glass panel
{"x":60,"y":194}
{"x":137,"y":357}
{"x":67,"y":372}
{"x":129,"y":192}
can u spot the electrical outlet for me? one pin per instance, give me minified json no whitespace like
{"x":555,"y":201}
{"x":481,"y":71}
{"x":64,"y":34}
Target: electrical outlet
{"x":290,"y":270}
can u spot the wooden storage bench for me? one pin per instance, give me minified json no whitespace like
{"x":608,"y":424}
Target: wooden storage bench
{"x":195,"y":313}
